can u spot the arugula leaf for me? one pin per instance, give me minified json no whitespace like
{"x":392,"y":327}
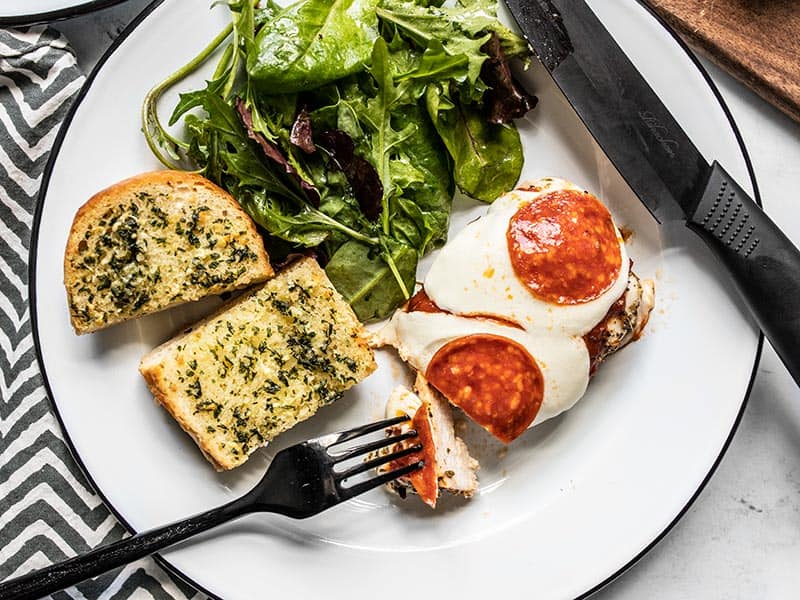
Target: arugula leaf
{"x":272,"y":153}
{"x":302,"y":47}
{"x":195,"y":99}
{"x":165,"y":147}
{"x":221,"y":147}
{"x":452,"y":40}
{"x":303,"y":228}
{"x":436,"y":64}
{"x":376,"y":114}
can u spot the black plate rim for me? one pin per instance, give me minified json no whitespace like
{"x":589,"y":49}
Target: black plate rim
{"x":57,"y":15}
{"x":174,"y":571}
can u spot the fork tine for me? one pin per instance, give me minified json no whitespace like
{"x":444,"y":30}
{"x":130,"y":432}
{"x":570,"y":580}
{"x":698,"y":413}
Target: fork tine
{"x":377,"y":462}
{"x":370,"y":446}
{"x":349,"y":434}
{"x":365,"y":486}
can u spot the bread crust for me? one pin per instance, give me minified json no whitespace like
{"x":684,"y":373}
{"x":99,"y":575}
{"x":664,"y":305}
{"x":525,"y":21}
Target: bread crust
{"x":165,"y":187}
{"x":158,"y":387}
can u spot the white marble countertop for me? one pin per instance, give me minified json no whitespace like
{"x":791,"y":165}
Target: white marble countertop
{"x":741,"y":538}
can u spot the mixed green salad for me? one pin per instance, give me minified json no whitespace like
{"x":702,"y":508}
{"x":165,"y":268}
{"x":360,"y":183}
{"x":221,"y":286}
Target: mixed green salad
{"x":344,"y":126}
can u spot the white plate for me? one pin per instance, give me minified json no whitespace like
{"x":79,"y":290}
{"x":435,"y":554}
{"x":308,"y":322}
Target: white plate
{"x":17,"y":12}
{"x":564,"y":509}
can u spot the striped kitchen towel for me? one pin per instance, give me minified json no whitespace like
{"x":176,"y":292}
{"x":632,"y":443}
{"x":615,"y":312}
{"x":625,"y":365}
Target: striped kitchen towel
{"x":47,"y":510}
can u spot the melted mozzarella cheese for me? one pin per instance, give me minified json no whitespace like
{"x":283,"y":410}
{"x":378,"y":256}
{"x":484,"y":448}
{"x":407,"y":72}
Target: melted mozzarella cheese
{"x":563,"y":360}
{"x":473,"y":275}
{"x":402,"y":402}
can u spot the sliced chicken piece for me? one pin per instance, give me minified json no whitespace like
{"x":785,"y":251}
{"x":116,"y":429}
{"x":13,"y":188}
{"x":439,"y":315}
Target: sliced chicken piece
{"x":448,"y":464}
{"x":455,"y":467}
{"x":624,"y":323}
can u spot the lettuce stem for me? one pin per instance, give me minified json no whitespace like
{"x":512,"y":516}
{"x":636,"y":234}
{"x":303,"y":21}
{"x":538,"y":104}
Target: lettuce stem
{"x":163,"y":145}
{"x":334,"y":224}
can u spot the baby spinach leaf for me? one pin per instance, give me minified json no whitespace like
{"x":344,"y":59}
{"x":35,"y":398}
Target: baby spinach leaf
{"x":364,"y":278}
{"x":487,"y":157}
{"x":311,"y":43}
{"x":423,"y":172}
{"x":451,"y":24}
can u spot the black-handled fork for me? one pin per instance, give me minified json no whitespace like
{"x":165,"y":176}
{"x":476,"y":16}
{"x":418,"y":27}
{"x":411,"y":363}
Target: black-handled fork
{"x":301,"y":481}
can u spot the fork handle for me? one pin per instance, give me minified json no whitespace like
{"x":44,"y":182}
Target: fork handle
{"x":65,"y":574}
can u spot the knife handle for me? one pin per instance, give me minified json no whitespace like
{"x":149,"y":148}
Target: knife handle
{"x":764,"y":263}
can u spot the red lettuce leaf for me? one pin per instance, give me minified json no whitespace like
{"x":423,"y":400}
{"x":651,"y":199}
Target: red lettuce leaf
{"x":363,"y":178}
{"x":506,"y":99}
{"x":272,"y":153}
{"x":302,"y":134}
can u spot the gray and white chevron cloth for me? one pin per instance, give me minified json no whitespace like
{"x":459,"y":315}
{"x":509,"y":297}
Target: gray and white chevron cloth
{"x":47,"y":510}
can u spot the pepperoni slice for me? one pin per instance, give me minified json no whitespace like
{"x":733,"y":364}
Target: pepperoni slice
{"x":493,"y":379}
{"x":564,"y":247}
{"x":421,"y":302}
{"x":426,"y":479}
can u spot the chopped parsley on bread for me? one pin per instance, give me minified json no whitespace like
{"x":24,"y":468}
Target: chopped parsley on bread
{"x":264,"y":362}
{"x":154,"y":241}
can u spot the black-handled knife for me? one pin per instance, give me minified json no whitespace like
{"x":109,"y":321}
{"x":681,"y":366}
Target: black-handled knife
{"x":662,"y":165}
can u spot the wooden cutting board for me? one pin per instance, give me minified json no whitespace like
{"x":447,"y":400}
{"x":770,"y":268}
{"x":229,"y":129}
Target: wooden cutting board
{"x":757,"y":41}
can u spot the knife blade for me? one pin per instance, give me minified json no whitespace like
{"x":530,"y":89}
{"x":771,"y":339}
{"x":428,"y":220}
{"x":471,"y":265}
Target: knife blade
{"x":662,"y":165}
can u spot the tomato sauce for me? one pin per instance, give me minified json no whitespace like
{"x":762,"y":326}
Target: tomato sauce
{"x":421,"y":302}
{"x":596,"y":338}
